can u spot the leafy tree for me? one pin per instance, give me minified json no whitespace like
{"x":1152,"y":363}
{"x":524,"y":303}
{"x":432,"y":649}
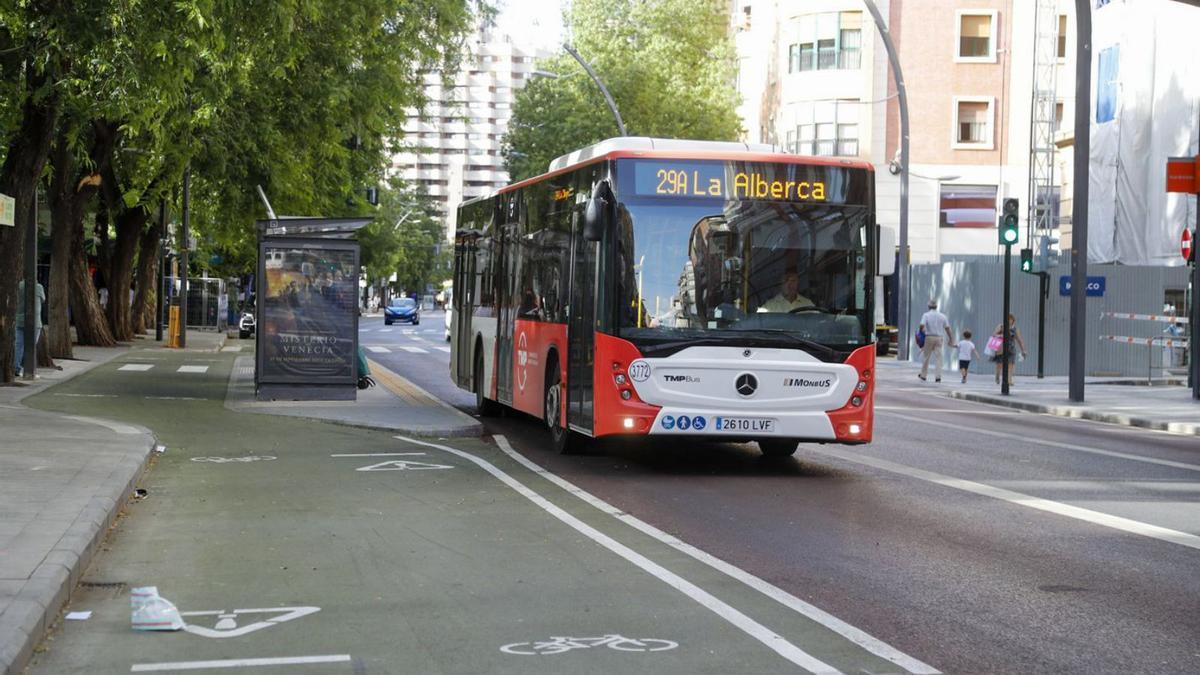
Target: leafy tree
{"x":670,"y":76}
{"x":407,"y":239}
{"x":300,"y":96}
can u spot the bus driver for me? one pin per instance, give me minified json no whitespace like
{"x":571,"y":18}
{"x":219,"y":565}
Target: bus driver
{"x":789,"y":297}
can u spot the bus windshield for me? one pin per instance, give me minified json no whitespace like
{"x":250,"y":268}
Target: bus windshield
{"x":743,"y":272}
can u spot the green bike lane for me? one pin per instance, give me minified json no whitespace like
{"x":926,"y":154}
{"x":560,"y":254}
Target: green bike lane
{"x":291,"y":544}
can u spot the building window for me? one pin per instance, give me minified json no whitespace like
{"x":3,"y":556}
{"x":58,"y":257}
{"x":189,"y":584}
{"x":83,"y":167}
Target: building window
{"x":973,"y":123}
{"x":850,"y":41}
{"x":975,"y":32}
{"x":1058,"y":115}
{"x":806,"y":133}
{"x":968,"y":206}
{"x":1062,"y":36}
{"x":826,"y":139}
{"x":828,"y":41}
{"x":790,"y":146}
{"x":807,"y":57}
{"x":847,"y":140}
{"x":826,"y":54}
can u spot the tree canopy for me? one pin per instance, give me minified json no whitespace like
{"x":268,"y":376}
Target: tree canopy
{"x":306,"y":98}
{"x":669,"y":65}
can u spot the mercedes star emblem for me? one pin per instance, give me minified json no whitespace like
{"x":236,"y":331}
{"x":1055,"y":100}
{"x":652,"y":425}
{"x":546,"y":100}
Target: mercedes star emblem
{"x":746,"y":384}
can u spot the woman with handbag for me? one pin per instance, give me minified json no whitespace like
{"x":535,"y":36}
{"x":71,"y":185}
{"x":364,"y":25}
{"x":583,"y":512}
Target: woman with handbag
{"x":996,"y":346}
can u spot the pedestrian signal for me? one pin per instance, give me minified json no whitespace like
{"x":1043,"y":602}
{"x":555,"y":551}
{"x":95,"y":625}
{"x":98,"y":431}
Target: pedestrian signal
{"x":1027,"y":260}
{"x":1009,"y":221}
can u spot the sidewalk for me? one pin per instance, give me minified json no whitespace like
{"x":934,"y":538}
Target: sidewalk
{"x":1128,"y":402}
{"x":393,"y":404}
{"x":63,"y":480}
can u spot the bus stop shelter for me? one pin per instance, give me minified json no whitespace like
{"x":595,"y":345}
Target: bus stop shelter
{"x":307,"y":309}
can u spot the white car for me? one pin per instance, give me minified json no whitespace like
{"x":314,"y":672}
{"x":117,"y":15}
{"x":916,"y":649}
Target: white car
{"x":448,"y":310}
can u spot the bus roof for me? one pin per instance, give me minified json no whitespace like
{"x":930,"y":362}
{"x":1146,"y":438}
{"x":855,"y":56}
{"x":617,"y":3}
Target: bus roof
{"x":666,"y":148}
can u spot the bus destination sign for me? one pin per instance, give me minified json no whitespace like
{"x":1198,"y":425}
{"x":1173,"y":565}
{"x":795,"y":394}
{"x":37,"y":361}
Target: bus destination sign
{"x":739,"y":180}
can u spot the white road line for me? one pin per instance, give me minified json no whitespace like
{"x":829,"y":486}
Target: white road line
{"x":112,"y":426}
{"x":364,"y":330}
{"x":417,"y":338}
{"x":85,"y":395}
{"x":771,"y":639}
{"x":1020,"y":499}
{"x":232,"y":348}
{"x":442,"y":349}
{"x":379,"y":350}
{"x":855,"y":635}
{"x":380,"y":454}
{"x":138,"y":367}
{"x":1053,"y":444}
{"x":385,"y":330}
{"x":173,"y":398}
{"x":415,"y":350}
{"x":192,"y":369}
{"x":952,"y":410}
{"x":238,"y":663}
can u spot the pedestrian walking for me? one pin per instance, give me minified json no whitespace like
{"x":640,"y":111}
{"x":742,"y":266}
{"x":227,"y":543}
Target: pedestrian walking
{"x":38,"y":300}
{"x":998,"y":358}
{"x":966,"y":350}
{"x":934,"y":324}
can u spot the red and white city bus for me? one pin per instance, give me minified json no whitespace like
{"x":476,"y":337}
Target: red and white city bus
{"x":646,"y":286}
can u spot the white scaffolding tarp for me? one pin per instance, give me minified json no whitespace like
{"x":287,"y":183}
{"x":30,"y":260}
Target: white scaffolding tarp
{"x":1145,"y":107}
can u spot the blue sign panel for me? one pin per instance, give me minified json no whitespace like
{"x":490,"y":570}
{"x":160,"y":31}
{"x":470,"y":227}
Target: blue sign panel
{"x":1095,"y":286}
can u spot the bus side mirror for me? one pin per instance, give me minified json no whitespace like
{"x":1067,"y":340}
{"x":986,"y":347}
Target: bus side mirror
{"x":886,"y":250}
{"x":594,"y":218}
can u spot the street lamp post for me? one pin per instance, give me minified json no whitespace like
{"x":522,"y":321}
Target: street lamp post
{"x":902,"y":96}
{"x":612,"y":105}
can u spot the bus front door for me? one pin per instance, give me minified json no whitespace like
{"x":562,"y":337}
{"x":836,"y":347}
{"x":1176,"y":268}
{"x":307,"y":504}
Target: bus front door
{"x":581,"y":330}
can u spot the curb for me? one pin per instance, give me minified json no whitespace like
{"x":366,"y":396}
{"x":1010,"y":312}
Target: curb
{"x":1077,"y":412}
{"x":470,"y":428}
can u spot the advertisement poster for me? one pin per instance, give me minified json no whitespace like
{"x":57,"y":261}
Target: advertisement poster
{"x":309,"y":314}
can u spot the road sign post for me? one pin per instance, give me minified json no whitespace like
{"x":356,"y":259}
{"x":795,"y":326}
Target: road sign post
{"x":1183,"y":175}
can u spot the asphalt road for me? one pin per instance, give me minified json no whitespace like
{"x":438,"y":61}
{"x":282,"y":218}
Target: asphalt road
{"x":296,"y":545}
{"x":973,"y":538}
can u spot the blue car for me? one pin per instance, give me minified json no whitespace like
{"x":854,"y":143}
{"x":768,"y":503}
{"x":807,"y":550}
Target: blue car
{"x":402,"y":309}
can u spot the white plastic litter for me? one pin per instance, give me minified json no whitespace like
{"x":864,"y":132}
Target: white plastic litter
{"x":151,"y":611}
{"x":160,"y":448}
{"x":79,"y":616}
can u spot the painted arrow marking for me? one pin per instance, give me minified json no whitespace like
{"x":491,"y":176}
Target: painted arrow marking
{"x":227,"y":624}
{"x":404,"y":465}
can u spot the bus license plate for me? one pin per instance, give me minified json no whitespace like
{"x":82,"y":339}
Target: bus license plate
{"x":750,"y":424}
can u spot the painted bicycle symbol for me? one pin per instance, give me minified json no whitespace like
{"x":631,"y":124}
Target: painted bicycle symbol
{"x":558,"y":645}
{"x":227,"y":460}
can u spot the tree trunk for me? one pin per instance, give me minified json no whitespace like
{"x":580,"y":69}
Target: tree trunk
{"x":91,"y":328}
{"x":147,"y":268}
{"x":23,"y":163}
{"x":130,"y":224}
{"x":44,"y":359}
{"x":58,"y":295}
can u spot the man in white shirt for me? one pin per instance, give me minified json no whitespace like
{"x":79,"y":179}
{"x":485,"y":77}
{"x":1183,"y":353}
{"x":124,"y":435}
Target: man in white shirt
{"x":934,"y":323}
{"x":789,"y":297}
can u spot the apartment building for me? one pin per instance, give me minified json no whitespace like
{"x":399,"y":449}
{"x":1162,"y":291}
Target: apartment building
{"x":454,"y":143}
{"x":816,"y":80}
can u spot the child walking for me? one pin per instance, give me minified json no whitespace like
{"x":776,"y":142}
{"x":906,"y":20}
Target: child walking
{"x":966,"y":349}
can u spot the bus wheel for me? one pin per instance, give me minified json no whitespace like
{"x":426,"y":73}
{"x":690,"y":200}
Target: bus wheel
{"x":777,"y":448}
{"x":484,"y":405}
{"x":561,"y":437}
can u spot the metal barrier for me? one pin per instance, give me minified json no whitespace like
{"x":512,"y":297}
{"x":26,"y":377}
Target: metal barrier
{"x":1175,"y":342}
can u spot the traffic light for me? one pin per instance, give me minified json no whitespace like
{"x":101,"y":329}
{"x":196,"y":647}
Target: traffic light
{"x":1009,"y":220}
{"x":1047,"y":252}
{"x":1027,"y":260}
